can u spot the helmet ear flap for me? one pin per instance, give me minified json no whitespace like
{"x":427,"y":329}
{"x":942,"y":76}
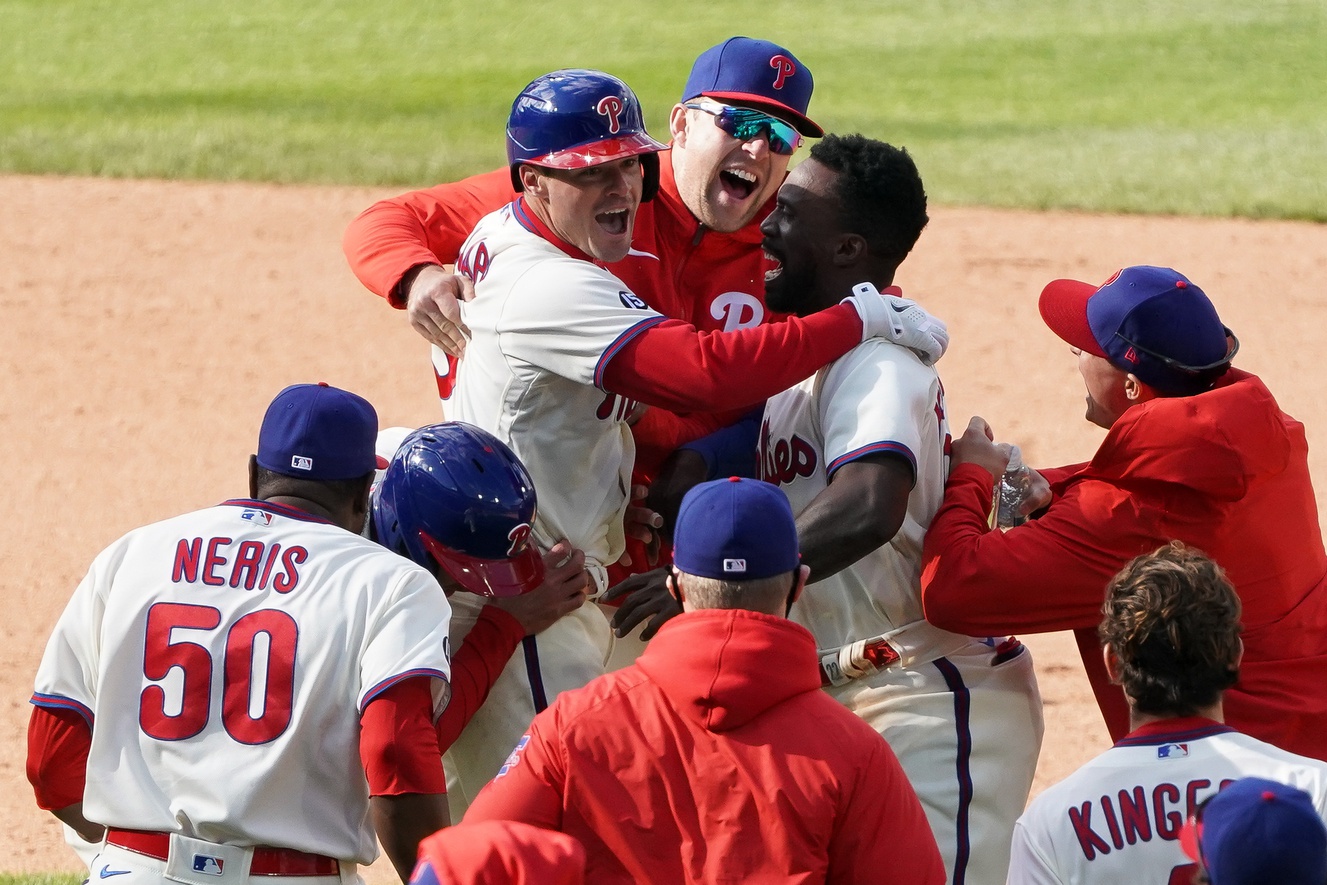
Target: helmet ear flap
{"x":516,"y":178}
{"x":649,"y":164}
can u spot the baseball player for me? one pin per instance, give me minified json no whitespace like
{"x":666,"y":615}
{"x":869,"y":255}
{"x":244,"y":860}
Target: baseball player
{"x":695,"y":254}
{"x":715,"y":757}
{"x":1196,"y":450}
{"x":223,"y":683}
{"x":861,"y":451}
{"x":456,"y":500}
{"x":1171,"y":629}
{"x":562,"y":351}
{"x":1257,"y":830}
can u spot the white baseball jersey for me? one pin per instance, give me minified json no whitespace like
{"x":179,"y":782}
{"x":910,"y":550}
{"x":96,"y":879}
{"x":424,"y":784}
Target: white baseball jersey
{"x":223,"y":659}
{"x":1116,"y":821}
{"x":963,"y":715}
{"x":545,"y":324}
{"x":879,"y":397}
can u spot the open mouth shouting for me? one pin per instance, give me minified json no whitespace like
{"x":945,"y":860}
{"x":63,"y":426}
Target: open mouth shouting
{"x":614,"y":221}
{"x":738,"y":183}
{"x":773,"y":266}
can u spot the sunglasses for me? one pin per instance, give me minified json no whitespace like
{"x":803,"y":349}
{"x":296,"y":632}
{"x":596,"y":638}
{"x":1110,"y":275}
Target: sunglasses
{"x":1177,"y":366}
{"x":746,"y":124}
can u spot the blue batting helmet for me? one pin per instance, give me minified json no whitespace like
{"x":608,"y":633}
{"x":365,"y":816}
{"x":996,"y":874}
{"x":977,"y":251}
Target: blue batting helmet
{"x":576,"y":117}
{"x":454,"y":497}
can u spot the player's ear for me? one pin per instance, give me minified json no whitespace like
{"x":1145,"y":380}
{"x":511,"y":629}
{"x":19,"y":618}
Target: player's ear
{"x":850,"y":249}
{"x":1112,"y":664}
{"x":799,"y":584}
{"x":677,"y":124}
{"x":532,"y":180}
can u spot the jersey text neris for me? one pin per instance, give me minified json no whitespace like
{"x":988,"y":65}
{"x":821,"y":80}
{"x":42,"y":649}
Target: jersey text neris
{"x":253,"y":565}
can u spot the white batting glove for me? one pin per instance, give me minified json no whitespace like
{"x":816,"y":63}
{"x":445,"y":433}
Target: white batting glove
{"x":900,"y":320}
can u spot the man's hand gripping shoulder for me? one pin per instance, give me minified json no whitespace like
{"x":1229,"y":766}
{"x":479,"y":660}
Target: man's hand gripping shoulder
{"x":901,"y":320}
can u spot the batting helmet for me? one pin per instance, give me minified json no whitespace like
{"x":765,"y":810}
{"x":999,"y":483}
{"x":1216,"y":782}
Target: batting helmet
{"x":576,"y":117}
{"x":455,"y":497}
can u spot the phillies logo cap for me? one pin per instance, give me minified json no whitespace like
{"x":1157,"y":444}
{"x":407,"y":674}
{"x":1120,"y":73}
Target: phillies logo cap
{"x":1151,"y":321}
{"x":735,"y":529}
{"x":755,"y":73}
{"x":1257,"y":831}
{"x":314,"y":431}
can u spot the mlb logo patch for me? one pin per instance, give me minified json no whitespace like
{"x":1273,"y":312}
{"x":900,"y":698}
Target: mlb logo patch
{"x":734,"y":566}
{"x":208,"y":865}
{"x":301,"y":462}
{"x":1172,"y":751}
{"x":257,"y":517}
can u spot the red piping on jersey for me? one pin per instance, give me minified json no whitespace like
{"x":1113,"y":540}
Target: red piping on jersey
{"x":622,"y":341}
{"x":1170,"y":731}
{"x":278,"y":509}
{"x":392,"y":680}
{"x":57,"y":702}
{"x":890,"y":448}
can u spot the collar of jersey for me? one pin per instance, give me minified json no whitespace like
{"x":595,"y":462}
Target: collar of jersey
{"x":278,"y":509}
{"x":1169,"y":731}
{"x":526,"y":219}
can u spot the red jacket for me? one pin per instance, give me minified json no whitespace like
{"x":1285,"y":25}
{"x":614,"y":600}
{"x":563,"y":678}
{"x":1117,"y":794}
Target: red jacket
{"x":499,"y":853}
{"x":717,"y":758}
{"x":1224,"y":471}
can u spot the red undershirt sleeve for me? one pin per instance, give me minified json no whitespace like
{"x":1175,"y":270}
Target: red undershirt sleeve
{"x":475,"y":667}
{"x":421,"y":227}
{"x":58,"y":744}
{"x":674,"y":366}
{"x":397,"y":744}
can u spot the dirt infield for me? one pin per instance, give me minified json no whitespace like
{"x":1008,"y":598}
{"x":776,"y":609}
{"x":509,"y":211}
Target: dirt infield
{"x":144,"y":326}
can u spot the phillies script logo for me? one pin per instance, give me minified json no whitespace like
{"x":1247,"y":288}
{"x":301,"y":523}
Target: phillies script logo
{"x":610,"y":106}
{"x":783,"y":69}
{"x":786,"y":459}
{"x":519,"y":537}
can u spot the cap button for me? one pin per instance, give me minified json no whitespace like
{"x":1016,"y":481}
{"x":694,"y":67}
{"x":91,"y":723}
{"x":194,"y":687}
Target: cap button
{"x":322,"y":383}
{"x":1180,"y":284}
{"x":734,"y":479}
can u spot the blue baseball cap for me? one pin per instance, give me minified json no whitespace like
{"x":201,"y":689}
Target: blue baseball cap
{"x":735,"y":530}
{"x":1257,"y":831}
{"x":313,"y":431}
{"x":756,"y":73}
{"x":1151,"y":321}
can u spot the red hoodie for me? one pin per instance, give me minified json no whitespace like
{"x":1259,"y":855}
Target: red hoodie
{"x":717,"y":758}
{"x":499,"y":853}
{"x":1225,"y":471}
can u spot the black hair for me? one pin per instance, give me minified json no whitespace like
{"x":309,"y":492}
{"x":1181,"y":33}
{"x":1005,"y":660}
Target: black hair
{"x":880,"y":192}
{"x":270,"y":484}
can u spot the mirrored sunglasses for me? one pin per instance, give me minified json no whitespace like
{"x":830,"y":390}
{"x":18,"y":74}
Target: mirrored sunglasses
{"x":746,"y":124}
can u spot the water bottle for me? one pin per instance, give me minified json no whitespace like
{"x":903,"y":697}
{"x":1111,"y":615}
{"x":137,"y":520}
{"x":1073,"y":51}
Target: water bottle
{"x":1011,"y":492}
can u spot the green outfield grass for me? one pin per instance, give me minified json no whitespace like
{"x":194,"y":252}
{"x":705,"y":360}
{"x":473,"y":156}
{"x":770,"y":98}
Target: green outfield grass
{"x":1176,"y":106}
{"x":41,"y":878}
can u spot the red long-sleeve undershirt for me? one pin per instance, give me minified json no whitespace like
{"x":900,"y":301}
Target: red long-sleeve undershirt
{"x":398,"y":747}
{"x":674,"y":366}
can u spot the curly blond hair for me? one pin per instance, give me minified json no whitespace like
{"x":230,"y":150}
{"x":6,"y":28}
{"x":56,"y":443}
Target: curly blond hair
{"x":1172,"y":619}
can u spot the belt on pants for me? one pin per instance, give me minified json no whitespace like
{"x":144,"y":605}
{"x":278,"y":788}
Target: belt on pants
{"x":267,"y":861}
